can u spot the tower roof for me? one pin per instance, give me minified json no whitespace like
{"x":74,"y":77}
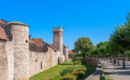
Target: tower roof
{"x":16,"y":23}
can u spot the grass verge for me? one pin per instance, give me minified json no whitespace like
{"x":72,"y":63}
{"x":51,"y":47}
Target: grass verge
{"x":54,"y":72}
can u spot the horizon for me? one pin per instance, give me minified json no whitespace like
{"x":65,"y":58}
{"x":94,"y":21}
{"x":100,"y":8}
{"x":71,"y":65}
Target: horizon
{"x":93,"y":19}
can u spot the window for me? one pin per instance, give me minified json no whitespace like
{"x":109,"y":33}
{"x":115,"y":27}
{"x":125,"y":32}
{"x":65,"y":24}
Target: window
{"x":26,"y":41}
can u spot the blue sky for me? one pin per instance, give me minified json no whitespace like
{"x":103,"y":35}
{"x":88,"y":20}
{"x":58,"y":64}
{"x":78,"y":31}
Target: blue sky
{"x":95,"y":19}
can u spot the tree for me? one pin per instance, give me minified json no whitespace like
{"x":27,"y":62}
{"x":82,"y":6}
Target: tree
{"x":101,"y":49}
{"x":121,"y":38}
{"x":112,"y":50}
{"x":83,"y":45}
{"x":93,"y":52}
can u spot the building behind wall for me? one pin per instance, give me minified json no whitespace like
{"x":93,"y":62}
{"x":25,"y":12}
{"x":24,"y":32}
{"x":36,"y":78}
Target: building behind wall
{"x":22,"y":56}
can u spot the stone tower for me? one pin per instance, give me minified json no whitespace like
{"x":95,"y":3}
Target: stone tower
{"x":66,"y":53}
{"x":20,"y":38}
{"x":58,"y":41}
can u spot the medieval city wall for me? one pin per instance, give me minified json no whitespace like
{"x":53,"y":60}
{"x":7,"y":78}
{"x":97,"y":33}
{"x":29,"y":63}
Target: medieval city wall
{"x":40,"y":61}
{"x":10,"y":59}
{"x":21,"y":57}
{"x":6,"y":60}
{"x":3,"y":61}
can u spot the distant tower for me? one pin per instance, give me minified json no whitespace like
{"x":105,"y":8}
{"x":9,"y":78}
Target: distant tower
{"x":66,"y":53}
{"x":58,"y":40}
{"x":20,"y":33}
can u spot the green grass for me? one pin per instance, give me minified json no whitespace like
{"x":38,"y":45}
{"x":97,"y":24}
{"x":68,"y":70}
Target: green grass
{"x":90,"y":70}
{"x":54,"y":72}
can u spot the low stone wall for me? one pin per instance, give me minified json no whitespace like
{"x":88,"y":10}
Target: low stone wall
{"x":97,"y":74}
{"x":40,"y":61}
{"x":91,"y":61}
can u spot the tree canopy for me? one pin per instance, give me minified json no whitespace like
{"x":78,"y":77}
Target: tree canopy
{"x":83,"y":45}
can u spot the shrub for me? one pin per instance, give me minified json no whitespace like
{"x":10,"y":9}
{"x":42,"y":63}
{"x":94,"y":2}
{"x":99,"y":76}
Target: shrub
{"x":67,"y":63}
{"x":76,"y":62}
{"x":69,"y":77}
{"x":66,"y":71}
{"x":79,"y":74}
{"x":82,"y":69}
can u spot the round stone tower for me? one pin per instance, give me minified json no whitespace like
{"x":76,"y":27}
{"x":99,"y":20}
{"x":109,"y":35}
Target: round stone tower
{"x":66,"y":53}
{"x":58,"y":40}
{"x":20,"y":38}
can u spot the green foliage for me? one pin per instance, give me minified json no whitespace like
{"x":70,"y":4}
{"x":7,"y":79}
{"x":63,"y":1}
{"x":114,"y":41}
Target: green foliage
{"x":67,"y":63}
{"x":76,"y":62}
{"x":93,"y":52}
{"x":79,"y":74}
{"x":127,"y":53}
{"x":100,"y":49}
{"x":83,"y":45}
{"x":66,"y":71}
{"x":69,"y":77}
{"x":52,"y":73}
{"x":118,"y":43}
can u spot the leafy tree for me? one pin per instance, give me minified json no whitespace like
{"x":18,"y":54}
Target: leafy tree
{"x":101,"y":48}
{"x":93,"y":52}
{"x":121,"y":38}
{"x":83,"y":45}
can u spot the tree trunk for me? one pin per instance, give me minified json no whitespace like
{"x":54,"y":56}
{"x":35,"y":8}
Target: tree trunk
{"x":123,"y":59}
{"x":118,"y":61}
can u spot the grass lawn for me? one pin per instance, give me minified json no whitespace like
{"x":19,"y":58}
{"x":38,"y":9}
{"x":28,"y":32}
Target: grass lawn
{"x":55,"y":71}
{"x":52,"y":72}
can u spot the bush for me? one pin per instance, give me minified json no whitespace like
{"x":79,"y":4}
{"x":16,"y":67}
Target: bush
{"x":82,"y":69}
{"x":76,"y":62}
{"x":69,"y":77}
{"x":67,"y":63}
{"x":66,"y":71}
{"x":79,"y":74}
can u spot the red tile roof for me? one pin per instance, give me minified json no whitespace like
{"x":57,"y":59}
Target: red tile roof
{"x":3,"y":35}
{"x":38,"y":42}
{"x":53,"y":47}
{"x":70,"y":52}
{"x":2,"y":22}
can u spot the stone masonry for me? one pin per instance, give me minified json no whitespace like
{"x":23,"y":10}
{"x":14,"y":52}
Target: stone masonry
{"x":22,"y":57}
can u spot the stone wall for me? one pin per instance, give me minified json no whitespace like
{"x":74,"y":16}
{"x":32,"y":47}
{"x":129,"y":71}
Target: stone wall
{"x":21,"y":58}
{"x":40,"y":61}
{"x":10,"y":56}
{"x":3,"y":61}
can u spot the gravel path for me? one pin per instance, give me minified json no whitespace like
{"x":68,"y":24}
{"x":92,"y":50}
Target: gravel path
{"x":117,"y":72}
